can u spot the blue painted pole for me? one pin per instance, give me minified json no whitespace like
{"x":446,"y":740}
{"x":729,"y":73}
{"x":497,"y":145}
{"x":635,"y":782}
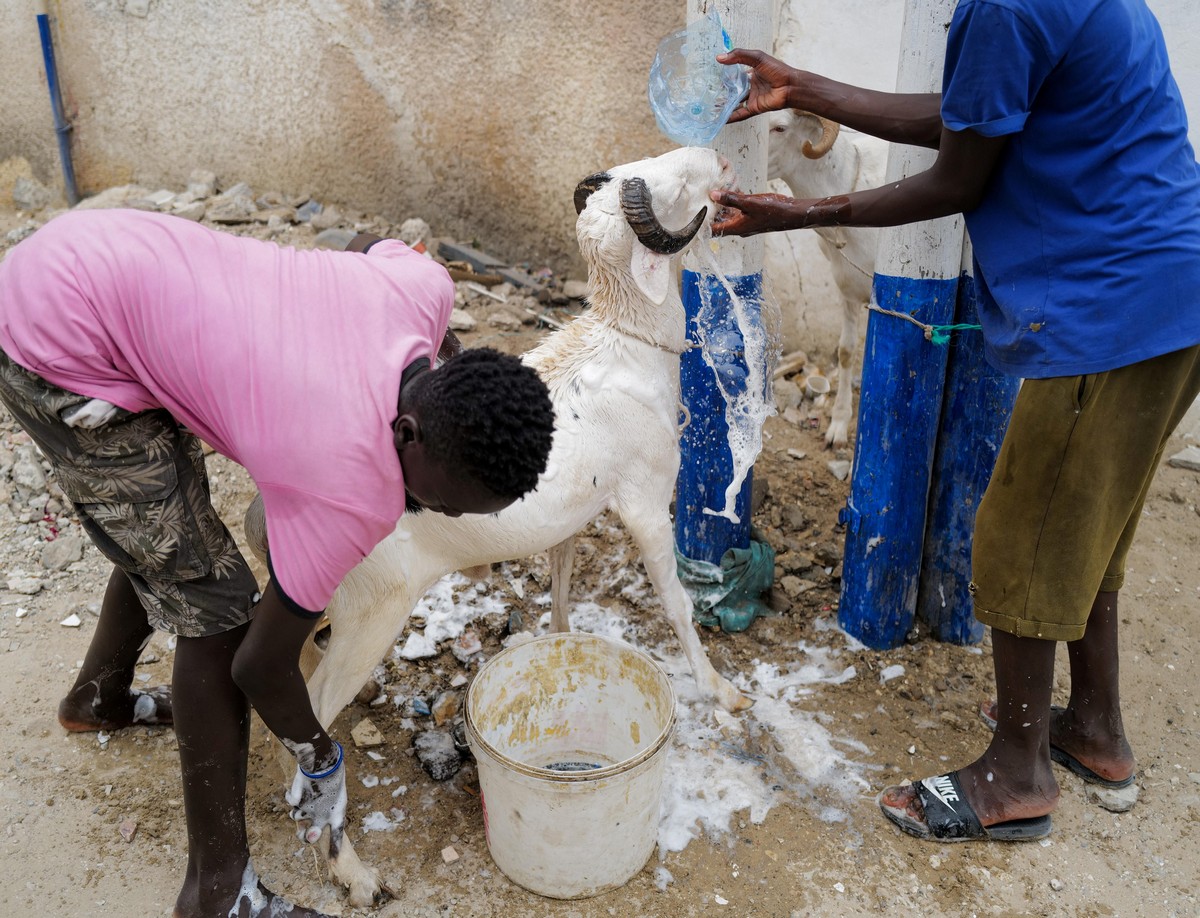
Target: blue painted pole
{"x":977,"y":404}
{"x":893,"y":451}
{"x":61,"y":126}
{"x":917,"y":275}
{"x":706,"y":463}
{"x":706,"y":466}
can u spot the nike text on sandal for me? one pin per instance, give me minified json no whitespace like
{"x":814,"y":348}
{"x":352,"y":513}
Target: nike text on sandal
{"x":950,"y":818}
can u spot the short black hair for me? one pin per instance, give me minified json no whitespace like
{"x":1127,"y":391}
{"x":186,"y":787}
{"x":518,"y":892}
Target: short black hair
{"x":490,"y":415}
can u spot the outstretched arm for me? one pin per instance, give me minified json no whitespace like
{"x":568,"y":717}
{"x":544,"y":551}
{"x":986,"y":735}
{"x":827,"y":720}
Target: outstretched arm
{"x":955,"y":183}
{"x":267,"y":669}
{"x":911,"y":118}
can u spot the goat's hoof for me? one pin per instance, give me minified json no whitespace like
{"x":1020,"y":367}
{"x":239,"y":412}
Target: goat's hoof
{"x":739,"y":704}
{"x":838,"y":434}
{"x":366,"y":888}
{"x":732,"y":700}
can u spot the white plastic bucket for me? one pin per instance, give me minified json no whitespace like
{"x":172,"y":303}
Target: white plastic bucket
{"x":570,"y":734}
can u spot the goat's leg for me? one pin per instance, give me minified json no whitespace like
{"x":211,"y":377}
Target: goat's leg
{"x":346,"y":664}
{"x":843,"y":403}
{"x":652,"y":532}
{"x":562,"y":562}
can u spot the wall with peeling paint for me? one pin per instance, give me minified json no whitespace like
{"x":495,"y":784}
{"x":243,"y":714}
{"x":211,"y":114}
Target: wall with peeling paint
{"x":477,"y":116}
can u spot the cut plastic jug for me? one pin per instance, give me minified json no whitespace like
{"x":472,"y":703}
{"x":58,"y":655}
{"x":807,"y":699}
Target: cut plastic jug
{"x":691,"y":95}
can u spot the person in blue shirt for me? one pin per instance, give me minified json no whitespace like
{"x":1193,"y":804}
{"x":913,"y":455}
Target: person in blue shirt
{"x":1062,"y":138}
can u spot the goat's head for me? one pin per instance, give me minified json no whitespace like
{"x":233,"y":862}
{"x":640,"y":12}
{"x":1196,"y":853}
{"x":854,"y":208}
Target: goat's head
{"x":637,"y":217}
{"x":793,"y":132}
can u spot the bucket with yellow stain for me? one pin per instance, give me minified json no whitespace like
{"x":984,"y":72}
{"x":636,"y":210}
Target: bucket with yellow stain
{"x":570,"y":733}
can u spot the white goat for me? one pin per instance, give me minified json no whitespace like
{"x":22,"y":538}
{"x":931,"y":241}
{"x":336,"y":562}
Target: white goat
{"x":803,"y":153}
{"x":613,"y":375}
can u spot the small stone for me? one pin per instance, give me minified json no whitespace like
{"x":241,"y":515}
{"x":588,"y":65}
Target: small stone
{"x":202,"y":184}
{"x":449,"y":855}
{"x":365,"y":733}
{"x":797,"y":453}
{"x":505,"y":321}
{"x":888,"y":673}
{"x":26,"y":586}
{"x":1188,"y":458}
{"x":30,"y":194}
{"x":794,"y":586}
{"x":193,"y":211}
{"x":62,"y":552}
{"x":458,"y":681}
{"x":788,"y":395}
{"x":368,"y":693}
{"x":445,"y":707}
{"x":1056,"y":884}
{"x":840,"y":468}
{"x":1114,"y":799}
{"x":437,"y":754}
{"x":462,"y":321}
{"x":325,"y":218}
{"x":414,"y":230}
{"x":71,"y":621}
{"x":418,"y":647}
{"x":466,"y":645}
{"x":128,"y":829}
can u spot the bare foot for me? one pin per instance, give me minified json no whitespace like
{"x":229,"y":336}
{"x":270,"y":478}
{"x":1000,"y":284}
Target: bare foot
{"x":84,"y":711}
{"x":1096,"y":744}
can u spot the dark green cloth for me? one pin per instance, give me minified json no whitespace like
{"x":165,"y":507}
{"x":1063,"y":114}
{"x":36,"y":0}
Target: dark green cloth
{"x":729,"y":594}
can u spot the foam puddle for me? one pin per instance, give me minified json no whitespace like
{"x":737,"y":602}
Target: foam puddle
{"x":720,"y":765}
{"x":749,"y":401}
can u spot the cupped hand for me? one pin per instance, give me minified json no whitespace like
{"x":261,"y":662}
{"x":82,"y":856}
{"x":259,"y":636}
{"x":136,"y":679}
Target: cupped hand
{"x":770,"y":82}
{"x":751,"y":214}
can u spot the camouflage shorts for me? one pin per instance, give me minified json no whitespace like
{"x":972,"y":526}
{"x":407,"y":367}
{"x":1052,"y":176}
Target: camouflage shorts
{"x":140,"y":489}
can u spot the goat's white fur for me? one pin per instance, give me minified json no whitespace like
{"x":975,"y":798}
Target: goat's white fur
{"x":613,"y":375}
{"x":854,"y":162}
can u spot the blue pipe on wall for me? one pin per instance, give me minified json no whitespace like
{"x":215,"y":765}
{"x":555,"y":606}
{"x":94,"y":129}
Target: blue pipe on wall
{"x":61,"y":126}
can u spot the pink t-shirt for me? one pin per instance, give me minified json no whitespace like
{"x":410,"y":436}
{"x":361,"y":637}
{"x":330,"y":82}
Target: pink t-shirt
{"x":286,"y":361}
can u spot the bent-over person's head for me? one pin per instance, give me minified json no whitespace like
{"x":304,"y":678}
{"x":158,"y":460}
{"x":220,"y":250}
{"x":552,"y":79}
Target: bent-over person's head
{"x":473,"y":434}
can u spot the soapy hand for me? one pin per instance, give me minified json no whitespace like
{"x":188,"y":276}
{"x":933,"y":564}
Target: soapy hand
{"x":320,"y":800}
{"x":750,"y":214}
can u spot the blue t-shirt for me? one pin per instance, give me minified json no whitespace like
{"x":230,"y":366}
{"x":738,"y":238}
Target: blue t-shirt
{"x":1087,"y":243}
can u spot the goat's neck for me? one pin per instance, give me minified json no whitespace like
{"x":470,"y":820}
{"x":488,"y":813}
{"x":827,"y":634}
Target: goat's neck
{"x":837,"y":172}
{"x":616,"y":302}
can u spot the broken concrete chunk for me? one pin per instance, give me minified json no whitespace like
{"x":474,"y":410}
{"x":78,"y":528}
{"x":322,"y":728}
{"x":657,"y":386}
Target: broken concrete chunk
{"x":462,"y":321}
{"x":1188,"y":458}
{"x":449,"y":855}
{"x":365,"y":733}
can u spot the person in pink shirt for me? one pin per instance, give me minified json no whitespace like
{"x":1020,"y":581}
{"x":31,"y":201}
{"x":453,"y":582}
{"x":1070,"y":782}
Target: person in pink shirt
{"x":129,"y":338}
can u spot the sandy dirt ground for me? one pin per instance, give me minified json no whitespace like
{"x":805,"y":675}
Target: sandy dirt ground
{"x":94,"y":825}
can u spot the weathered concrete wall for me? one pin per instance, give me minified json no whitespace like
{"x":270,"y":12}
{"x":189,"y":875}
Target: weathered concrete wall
{"x":478,"y":116}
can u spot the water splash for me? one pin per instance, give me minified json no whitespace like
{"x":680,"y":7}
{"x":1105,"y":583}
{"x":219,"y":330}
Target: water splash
{"x":748,"y":393}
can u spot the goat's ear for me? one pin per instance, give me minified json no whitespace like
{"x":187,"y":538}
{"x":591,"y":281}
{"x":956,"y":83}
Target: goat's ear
{"x":651,"y":272}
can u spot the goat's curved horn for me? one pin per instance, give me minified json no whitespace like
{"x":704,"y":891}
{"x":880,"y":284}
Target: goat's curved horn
{"x":637,"y":205}
{"x":585,"y":188}
{"x":829,"y":132}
